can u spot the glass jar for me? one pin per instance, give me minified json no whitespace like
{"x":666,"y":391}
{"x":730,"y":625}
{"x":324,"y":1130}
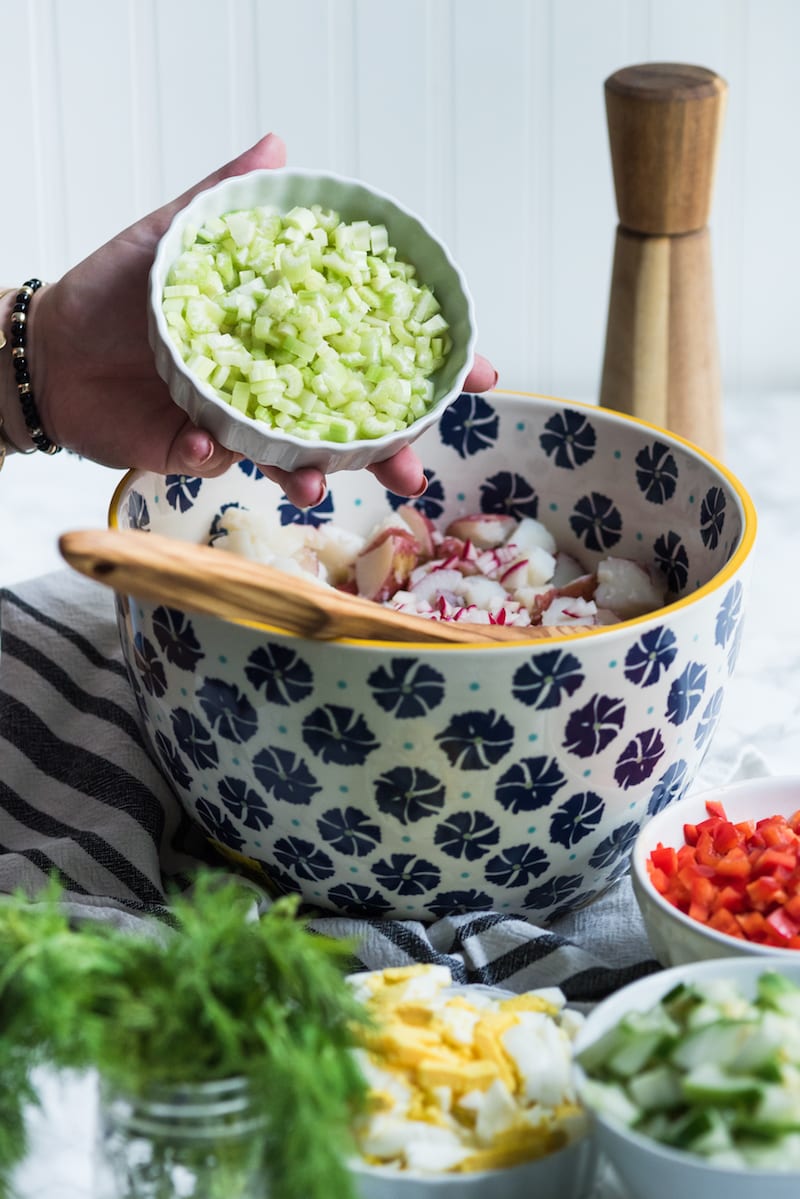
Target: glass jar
{"x":192,"y":1141}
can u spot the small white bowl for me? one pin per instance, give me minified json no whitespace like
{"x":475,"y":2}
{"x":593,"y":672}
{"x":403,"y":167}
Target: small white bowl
{"x":353,"y":200}
{"x":567,"y":1174}
{"x":675,"y":937}
{"x":646,"y":1167}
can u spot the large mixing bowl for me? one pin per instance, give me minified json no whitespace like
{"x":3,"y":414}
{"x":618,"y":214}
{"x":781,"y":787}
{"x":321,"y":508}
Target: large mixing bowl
{"x":415,"y":781}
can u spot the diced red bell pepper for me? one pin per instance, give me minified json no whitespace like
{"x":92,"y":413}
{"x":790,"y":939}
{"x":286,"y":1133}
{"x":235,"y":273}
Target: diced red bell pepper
{"x":665,"y":858}
{"x":783,"y":925}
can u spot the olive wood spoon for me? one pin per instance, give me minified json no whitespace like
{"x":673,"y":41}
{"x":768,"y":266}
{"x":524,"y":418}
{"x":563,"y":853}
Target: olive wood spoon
{"x":217,"y":583}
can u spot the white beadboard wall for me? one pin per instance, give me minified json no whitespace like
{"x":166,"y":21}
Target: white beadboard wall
{"x":486,"y":116}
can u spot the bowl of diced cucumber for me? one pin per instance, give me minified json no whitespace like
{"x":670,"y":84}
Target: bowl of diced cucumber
{"x":692,"y":1076}
{"x":306,"y":319}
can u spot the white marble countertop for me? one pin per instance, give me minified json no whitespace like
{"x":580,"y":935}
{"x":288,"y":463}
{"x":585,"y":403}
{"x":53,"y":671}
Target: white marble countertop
{"x":761,"y":713}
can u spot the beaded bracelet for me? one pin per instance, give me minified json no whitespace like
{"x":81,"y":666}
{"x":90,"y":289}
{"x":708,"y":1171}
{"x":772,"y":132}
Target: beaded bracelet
{"x":19,"y":324}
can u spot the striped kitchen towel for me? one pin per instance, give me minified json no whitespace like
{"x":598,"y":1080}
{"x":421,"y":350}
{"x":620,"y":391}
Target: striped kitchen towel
{"x":81,"y":795}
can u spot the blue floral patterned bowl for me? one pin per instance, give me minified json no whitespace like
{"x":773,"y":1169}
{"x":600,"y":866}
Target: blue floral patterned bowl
{"x":415,"y":781}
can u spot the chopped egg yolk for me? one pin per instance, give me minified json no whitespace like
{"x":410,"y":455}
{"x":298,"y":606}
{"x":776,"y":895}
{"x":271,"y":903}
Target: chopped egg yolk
{"x":463,"y":1078}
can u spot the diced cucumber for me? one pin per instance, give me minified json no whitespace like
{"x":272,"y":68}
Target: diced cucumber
{"x":708,"y":1084}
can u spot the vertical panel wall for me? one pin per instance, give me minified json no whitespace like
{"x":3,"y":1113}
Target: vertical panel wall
{"x":487,"y":118}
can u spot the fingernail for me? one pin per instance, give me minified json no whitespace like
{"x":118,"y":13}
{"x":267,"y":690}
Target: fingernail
{"x":203,"y":451}
{"x":416,"y":494}
{"x":323,"y":491}
{"x":494,"y":380}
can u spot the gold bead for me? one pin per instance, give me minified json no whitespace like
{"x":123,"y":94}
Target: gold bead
{"x":18,"y":318}
{"x":24,"y":388}
{"x":18,"y":352}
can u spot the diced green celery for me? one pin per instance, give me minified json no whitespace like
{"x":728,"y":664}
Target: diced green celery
{"x":201,"y":366}
{"x":181,"y":289}
{"x":292,"y":378}
{"x":240,"y":396}
{"x":379,"y":239}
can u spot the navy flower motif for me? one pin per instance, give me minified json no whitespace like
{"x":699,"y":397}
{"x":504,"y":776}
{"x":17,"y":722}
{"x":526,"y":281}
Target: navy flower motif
{"x":282,"y":882}
{"x":175,"y":634}
{"x":229,"y":711}
{"x":616,"y":845}
{"x":220,"y":826}
{"x":216,"y":532}
{"x":303,"y":858}
{"x":358,"y":900}
{"x":467,"y":835}
{"x":570,"y":439}
{"x":455,"y":903}
{"x":339,"y":735}
{"x":349,"y":831}
{"x":735,"y":646}
{"x":712,"y":517}
{"x":476,"y":740}
{"x":138,"y":512}
{"x":509,"y":494}
{"x":406,"y":874}
{"x":654,"y":653}
{"x":516,"y":866}
{"x":409,"y":793}
{"x":529,"y":784}
{"x":672,"y":560}
{"x":149,"y":666}
{"x":285,"y":775}
{"x":555,"y":891}
{"x":314,"y":517}
{"x":244,"y":804}
{"x":407,"y":688}
{"x":181,"y":491}
{"x":469,"y":425}
{"x":280,"y":672}
{"x":597,"y":521}
{"x":729,"y":615}
{"x":173,"y":761}
{"x":546,"y":679}
{"x":657,"y":473}
{"x":669,"y":788}
{"x":431,"y":504}
{"x":639,"y":759}
{"x":594,"y":726}
{"x":249,"y":468}
{"x":576,"y":818}
{"x":709,"y":719}
{"x":685,"y":693}
{"x":194,"y":739}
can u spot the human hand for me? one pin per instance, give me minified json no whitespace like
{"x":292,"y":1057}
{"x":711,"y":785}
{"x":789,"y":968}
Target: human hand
{"x":95,"y":380}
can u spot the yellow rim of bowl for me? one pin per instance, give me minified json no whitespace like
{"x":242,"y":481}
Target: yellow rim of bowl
{"x":608,"y":631}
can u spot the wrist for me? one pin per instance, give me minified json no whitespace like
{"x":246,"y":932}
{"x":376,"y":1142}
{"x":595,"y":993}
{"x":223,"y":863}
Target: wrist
{"x":22,"y":419}
{"x":14,"y":433}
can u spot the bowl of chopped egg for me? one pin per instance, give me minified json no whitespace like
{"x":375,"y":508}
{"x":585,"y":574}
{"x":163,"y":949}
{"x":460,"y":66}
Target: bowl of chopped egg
{"x":307,"y":319}
{"x":419,"y":780}
{"x":469,"y":1088}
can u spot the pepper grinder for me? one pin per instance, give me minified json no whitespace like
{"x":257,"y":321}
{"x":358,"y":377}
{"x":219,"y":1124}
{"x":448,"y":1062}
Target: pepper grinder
{"x":661,"y":356}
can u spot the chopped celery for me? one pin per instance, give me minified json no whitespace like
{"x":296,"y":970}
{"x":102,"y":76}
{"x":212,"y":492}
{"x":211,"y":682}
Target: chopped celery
{"x":306,"y":322}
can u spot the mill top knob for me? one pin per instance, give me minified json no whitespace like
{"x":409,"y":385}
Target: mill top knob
{"x":664,"y":126}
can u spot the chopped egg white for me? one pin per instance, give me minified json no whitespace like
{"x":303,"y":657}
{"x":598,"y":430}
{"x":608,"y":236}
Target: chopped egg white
{"x":463,"y":1078}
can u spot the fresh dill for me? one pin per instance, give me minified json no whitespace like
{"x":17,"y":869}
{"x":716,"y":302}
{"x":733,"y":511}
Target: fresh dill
{"x":223,"y":994}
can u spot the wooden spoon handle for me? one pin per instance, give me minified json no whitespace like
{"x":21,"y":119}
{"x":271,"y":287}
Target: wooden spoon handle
{"x":202,"y":579}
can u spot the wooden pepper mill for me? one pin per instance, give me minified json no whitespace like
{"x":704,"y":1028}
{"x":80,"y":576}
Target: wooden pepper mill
{"x":661,"y":356}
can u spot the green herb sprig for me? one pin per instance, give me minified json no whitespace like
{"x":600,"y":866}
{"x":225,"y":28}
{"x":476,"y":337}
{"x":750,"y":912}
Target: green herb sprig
{"x":223,"y":994}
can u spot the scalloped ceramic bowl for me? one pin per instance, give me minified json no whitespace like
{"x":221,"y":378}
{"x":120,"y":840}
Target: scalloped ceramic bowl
{"x":567,"y":1174}
{"x":417,"y":780}
{"x":353,"y":200}
{"x":646,"y":1167}
{"x":675,"y":937}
